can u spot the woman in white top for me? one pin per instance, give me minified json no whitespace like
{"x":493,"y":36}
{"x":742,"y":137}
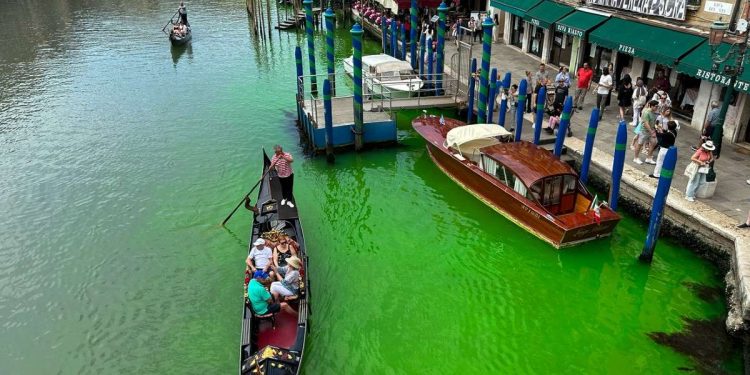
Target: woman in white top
{"x":605,"y":86}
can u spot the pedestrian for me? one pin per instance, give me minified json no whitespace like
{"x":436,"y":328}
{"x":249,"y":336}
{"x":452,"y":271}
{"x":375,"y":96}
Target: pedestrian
{"x":712,"y":121}
{"x":470,"y":26}
{"x":496,"y":30}
{"x":647,"y":133}
{"x":564,"y":75}
{"x":698,"y":168}
{"x":585,"y":73}
{"x":611,"y":69}
{"x":541,"y":79}
{"x":478,"y":29}
{"x":663,"y":99}
{"x":665,"y":139}
{"x":661,"y":82}
{"x":529,"y":91}
{"x":282,"y":162}
{"x":625,"y":97}
{"x":182,"y":10}
{"x":639,"y":100}
{"x":604,"y":88}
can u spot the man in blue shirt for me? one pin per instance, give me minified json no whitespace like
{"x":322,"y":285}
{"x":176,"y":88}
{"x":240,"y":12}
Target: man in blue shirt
{"x":261,"y":301}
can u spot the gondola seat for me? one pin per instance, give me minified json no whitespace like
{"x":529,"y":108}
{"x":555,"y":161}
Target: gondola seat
{"x":270,"y":317}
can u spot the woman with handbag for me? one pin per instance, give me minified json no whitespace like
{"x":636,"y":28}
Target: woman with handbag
{"x":698,"y":168}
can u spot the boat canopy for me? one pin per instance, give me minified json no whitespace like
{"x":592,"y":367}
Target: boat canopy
{"x":470,"y":138}
{"x":528,"y":161}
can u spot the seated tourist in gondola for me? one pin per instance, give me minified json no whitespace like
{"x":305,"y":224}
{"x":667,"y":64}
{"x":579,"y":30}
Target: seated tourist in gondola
{"x":285,"y":249}
{"x":259,"y":259}
{"x":288,"y":277}
{"x":261,"y":301}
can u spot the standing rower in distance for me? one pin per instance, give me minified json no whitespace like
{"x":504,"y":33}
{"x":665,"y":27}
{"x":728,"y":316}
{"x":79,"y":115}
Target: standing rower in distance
{"x":282,"y":161}
{"x":183,"y":13}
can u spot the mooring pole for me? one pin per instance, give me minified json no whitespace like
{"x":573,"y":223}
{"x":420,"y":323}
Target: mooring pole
{"x":491,"y":99}
{"x":357,"y":79}
{"x":483,"y":84}
{"x":442,"y":9}
{"x":385,"y":34}
{"x":394,"y":37}
{"x":413,"y":34}
{"x":564,"y":124}
{"x":330,"y":19}
{"x":521,"y":105}
{"x":589,"y":147}
{"x":504,"y":99}
{"x":422,"y":39}
{"x":310,"y":45}
{"x":299,"y":83}
{"x":402,"y":56}
{"x":430,"y":64}
{"x":539,"y":118}
{"x":329,"y":120}
{"x":618,"y":164}
{"x":657,"y":209}
{"x":472,"y":83}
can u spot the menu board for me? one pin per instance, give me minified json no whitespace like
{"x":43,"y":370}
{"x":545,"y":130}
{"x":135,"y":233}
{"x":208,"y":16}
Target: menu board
{"x":674,"y":9}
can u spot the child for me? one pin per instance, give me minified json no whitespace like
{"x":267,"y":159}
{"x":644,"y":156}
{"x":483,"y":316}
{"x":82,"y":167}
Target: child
{"x":554,"y":119}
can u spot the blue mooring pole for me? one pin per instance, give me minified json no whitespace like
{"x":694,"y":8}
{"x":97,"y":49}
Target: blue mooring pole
{"x":589,"y":147}
{"x":310,"y":45}
{"x":328,"y":119}
{"x":472,"y":82}
{"x":330,"y":19}
{"x":564,"y":124}
{"x":385,"y":34}
{"x":430,"y":57}
{"x":421,"y":55}
{"x":300,"y":84}
{"x":539,"y":118}
{"x":403,"y":41}
{"x":413,"y":33}
{"x":493,"y":92}
{"x":618,"y":164}
{"x":521,"y":104}
{"x":504,"y":101}
{"x":442,"y":9}
{"x":394,"y":37}
{"x":359,"y":125}
{"x":657,"y":209}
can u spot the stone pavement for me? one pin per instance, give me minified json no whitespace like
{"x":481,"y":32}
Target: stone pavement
{"x":732,"y":196}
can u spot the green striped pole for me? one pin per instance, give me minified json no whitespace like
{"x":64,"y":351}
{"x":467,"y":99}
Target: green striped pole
{"x":357,"y":73}
{"x":299,"y":82}
{"x":413,"y":34}
{"x":330,"y":18}
{"x":310,"y":45}
{"x":483,"y":82}
{"x":442,"y":9}
{"x":328,"y":120}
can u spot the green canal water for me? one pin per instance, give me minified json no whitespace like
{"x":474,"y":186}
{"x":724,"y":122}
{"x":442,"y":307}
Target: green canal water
{"x":119,"y":156}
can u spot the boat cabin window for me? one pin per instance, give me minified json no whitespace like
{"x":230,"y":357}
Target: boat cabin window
{"x":557,"y":193}
{"x":504,"y":174}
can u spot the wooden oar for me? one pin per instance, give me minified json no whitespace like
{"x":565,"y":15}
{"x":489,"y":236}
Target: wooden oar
{"x":170,"y":21}
{"x":246,"y":196}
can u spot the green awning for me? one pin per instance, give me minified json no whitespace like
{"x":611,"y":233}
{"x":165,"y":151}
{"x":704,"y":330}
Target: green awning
{"x":516,"y":7}
{"x":655,"y":44}
{"x":698,"y":64}
{"x":579,"y":23}
{"x":546,"y":13}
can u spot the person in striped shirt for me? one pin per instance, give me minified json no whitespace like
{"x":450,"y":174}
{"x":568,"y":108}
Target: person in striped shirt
{"x":282,"y":161}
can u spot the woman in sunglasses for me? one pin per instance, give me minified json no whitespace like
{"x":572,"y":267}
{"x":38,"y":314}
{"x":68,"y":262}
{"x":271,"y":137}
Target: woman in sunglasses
{"x":285,"y":249}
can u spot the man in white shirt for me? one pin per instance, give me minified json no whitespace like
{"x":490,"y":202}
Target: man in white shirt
{"x":259,"y":259}
{"x":605,"y":86}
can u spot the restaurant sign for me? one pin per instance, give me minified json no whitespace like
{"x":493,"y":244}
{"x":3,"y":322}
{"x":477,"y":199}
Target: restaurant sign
{"x":569,"y":30}
{"x":722,"y":80}
{"x":665,"y":8}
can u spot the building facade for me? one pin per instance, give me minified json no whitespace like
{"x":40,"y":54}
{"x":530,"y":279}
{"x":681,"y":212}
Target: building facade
{"x":663,"y":42}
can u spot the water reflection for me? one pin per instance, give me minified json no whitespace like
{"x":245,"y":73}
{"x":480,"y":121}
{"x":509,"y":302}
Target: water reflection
{"x":178,"y":51}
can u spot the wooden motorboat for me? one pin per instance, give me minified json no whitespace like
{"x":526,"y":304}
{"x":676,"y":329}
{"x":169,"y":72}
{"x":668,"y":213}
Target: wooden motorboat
{"x":275,"y":347}
{"x":385,"y":75}
{"x":520,"y":180}
{"x":179,"y":38}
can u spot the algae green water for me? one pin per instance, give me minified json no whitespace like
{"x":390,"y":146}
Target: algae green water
{"x":119,"y":156}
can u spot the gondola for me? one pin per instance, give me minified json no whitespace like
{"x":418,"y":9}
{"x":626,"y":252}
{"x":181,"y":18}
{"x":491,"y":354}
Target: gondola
{"x":178,"y":40}
{"x":275,"y":346}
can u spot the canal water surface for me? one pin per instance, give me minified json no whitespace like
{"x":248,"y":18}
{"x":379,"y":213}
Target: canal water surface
{"x":119,"y":157}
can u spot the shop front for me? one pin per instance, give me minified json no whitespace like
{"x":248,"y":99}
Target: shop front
{"x":572,"y":33}
{"x":516,"y":32}
{"x":541,"y":18}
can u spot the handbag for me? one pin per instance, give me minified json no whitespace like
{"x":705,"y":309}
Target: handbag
{"x":691,"y":170}
{"x":703,"y":170}
{"x":638,"y":128}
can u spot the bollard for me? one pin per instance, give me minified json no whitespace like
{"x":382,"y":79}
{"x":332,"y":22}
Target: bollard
{"x":384,"y":26}
{"x":491,"y":99}
{"x":483,"y":83}
{"x":589,"y":147}
{"x":310,"y":45}
{"x":430,"y":77}
{"x":442,"y":9}
{"x":413,"y":34}
{"x":472,"y":82}
{"x":394,"y":37}
{"x":328,"y":119}
{"x":421,"y":55}
{"x":521,"y":104}
{"x":330,"y":19}
{"x":403,"y":42}
{"x":539,"y":119}
{"x":657,"y":209}
{"x":300,"y":84}
{"x":618,"y":164}
{"x":357,"y":80}
{"x":504,"y":101}
{"x":562,"y":129}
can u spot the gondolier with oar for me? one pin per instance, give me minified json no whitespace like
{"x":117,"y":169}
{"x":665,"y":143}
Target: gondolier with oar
{"x":282,"y":161}
{"x":183,"y":13}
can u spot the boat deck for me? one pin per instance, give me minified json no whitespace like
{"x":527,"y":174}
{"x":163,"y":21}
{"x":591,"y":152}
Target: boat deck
{"x":283,"y":336}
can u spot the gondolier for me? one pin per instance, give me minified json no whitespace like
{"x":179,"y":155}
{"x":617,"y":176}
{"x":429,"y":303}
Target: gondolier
{"x":282,"y":162}
{"x":183,"y":14}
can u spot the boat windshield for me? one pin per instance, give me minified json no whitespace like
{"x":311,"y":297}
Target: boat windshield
{"x":557,"y":193}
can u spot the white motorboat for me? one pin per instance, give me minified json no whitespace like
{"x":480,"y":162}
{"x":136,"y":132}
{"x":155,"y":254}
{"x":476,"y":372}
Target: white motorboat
{"x":387,"y":76}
